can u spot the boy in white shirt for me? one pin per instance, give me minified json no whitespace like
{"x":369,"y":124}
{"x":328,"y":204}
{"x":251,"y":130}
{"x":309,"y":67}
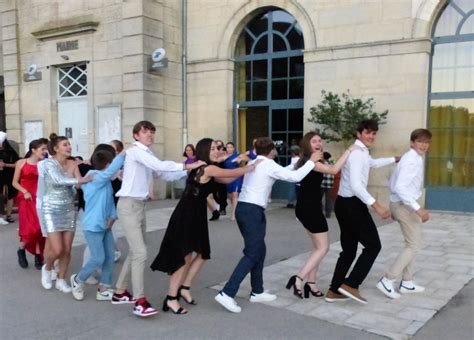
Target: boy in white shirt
{"x":406,"y":186}
{"x":250,"y":216}
{"x":355,"y":221}
{"x":139,"y":169}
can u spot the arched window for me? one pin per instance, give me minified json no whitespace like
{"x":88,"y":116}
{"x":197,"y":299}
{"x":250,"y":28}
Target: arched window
{"x":269,"y":81}
{"x":450,"y":163}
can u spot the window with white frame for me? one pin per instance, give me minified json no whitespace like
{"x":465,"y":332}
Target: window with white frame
{"x":72,"y":81}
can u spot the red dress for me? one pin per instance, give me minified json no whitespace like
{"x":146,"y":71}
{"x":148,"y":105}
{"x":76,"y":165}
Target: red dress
{"x":30,"y":230}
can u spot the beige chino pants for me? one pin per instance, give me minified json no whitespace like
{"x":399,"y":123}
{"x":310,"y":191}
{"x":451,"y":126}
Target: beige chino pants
{"x":410,"y":224}
{"x":131,"y":213}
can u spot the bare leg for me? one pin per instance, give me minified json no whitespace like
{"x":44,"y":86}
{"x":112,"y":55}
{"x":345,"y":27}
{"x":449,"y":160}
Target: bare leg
{"x":320,"y":242}
{"x":210,"y":203}
{"x":9,"y":207}
{"x":175,"y":282}
{"x":53,"y":250}
{"x":67,"y":238}
{"x":191,"y":274}
{"x":234,"y":196}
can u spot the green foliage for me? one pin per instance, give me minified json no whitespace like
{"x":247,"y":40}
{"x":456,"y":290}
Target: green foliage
{"x":338,"y":116}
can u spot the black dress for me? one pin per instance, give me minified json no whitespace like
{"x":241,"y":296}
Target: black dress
{"x":308,"y":206}
{"x":187,"y":229}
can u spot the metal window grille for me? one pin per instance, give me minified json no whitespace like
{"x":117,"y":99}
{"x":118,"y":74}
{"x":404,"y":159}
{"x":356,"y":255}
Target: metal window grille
{"x":72,"y":81}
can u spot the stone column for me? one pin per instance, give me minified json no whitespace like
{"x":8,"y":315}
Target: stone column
{"x":11,"y":69}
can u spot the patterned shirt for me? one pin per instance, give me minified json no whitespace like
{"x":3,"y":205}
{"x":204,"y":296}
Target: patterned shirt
{"x":328,"y":180}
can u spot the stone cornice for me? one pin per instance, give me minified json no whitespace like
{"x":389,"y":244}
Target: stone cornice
{"x":375,"y":49}
{"x":50,"y":33}
{"x":210,"y":65}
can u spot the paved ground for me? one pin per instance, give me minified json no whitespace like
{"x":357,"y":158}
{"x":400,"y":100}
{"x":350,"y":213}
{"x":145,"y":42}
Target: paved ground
{"x":28,"y":311}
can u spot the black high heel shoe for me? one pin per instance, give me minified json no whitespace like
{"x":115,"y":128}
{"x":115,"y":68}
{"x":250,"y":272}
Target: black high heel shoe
{"x":166,"y":308}
{"x":192,"y":302}
{"x":292,"y":283}
{"x":308,"y":290}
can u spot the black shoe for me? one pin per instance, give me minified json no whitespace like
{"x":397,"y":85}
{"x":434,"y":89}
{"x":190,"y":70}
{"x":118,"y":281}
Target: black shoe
{"x":215,"y":215}
{"x":292,"y":283}
{"x":290,"y":205}
{"x":10,"y":219}
{"x":192,"y":302}
{"x":38,"y":261}
{"x":307,"y":290}
{"x":22,"y":258}
{"x":166,"y":308}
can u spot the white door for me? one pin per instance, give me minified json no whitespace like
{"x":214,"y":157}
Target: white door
{"x":72,"y":108}
{"x":73,"y":123}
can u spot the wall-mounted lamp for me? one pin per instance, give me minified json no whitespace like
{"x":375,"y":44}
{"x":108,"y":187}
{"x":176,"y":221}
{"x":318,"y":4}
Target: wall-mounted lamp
{"x":65,"y":57}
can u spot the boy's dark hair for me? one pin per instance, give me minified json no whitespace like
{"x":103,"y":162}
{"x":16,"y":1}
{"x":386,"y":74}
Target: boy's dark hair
{"x":118,"y":145}
{"x":145,"y":124}
{"x":368,"y":124}
{"x":101,"y":158}
{"x":421,"y":135}
{"x":264,"y":145}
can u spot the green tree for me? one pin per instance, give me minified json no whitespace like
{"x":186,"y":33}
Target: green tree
{"x":337,"y":116}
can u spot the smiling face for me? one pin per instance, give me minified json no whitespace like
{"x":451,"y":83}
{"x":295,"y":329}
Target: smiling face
{"x":229,"y":149}
{"x":421,"y":146}
{"x":63,"y":148}
{"x":189,"y":152}
{"x":145,"y":136}
{"x":316,"y":143}
{"x":367,"y":137}
{"x":214,"y":153}
{"x":40,"y":152}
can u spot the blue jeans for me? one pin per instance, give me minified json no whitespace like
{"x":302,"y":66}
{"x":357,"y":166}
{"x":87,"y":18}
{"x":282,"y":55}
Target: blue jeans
{"x":252,"y":225}
{"x":101,"y":246}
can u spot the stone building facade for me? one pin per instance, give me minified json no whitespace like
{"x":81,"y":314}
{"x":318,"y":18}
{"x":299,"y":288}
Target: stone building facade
{"x":100,"y":50}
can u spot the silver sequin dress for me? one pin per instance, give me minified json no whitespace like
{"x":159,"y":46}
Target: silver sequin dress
{"x":55,"y":198}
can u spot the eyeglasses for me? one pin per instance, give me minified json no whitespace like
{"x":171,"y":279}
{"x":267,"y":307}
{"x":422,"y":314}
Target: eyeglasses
{"x":220,"y":147}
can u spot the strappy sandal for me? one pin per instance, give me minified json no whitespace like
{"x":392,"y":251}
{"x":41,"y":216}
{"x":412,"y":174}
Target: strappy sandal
{"x":166,"y":308}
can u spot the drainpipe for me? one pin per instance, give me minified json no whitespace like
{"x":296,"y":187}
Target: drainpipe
{"x":184,"y":81}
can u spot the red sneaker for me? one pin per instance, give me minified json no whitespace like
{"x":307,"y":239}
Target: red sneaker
{"x":125,"y":297}
{"x":143,"y":308}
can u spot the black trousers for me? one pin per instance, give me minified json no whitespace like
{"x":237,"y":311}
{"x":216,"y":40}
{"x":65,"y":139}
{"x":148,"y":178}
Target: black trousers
{"x":356,"y":226}
{"x":220,"y":195}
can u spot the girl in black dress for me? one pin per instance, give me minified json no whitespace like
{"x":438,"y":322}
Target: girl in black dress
{"x":187,"y":230}
{"x":309,"y":212}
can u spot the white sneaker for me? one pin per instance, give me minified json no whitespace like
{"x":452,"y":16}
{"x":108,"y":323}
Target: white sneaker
{"x":117,"y":255}
{"x":46,"y":278}
{"x":3,"y":221}
{"x":227,"y":302}
{"x":77,"y":288}
{"x":407,"y":287}
{"x":386,"y":286}
{"x":106,"y":295}
{"x":62,"y":286}
{"x":262,"y":297}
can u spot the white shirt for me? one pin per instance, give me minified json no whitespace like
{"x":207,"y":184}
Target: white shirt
{"x":138,"y":170}
{"x":258,"y":183}
{"x":407,"y":180}
{"x":355,"y":173}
